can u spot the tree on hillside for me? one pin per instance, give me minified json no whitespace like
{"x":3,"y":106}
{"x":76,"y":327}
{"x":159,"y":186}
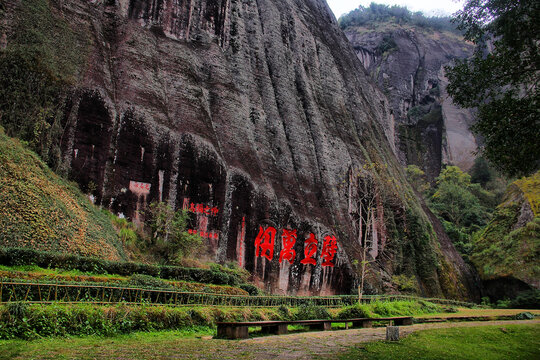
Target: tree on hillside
{"x":462,"y":207}
{"x":502,"y":80}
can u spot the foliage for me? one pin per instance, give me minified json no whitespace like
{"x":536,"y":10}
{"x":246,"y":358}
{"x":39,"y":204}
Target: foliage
{"x":251,"y":289}
{"x":41,"y":61}
{"x":311,"y":312}
{"x":355,"y":312}
{"x":463,"y":208}
{"x":501,"y":80}
{"x":454,"y":175}
{"x":524,"y":300}
{"x":389,"y":308}
{"x":530,"y":187}
{"x":147,"y":281}
{"x":169,"y":232}
{"x":405,"y":284}
{"x":417,"y":178}
{"x":40,"y":210}
{"x":22,"y":256}
{"x":457,"y":205}
{"x":486,"y":342}
{"x":127,"y":231}
{"x":481,"y":172}
{"x":397,"y":14}
{"x":82,"y":319}
{"x":506,"y":248}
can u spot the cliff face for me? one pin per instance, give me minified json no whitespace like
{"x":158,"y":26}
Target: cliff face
{"x":408,"y":64}
{"x":253,"y":116}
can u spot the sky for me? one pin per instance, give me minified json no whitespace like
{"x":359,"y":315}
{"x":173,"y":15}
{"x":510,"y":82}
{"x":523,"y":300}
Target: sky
{"x":428,"y":7}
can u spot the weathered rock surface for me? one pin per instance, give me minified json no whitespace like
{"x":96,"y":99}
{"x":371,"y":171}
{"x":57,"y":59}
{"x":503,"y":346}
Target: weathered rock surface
{"x":250,"y":114}
{"x":408,"y":64}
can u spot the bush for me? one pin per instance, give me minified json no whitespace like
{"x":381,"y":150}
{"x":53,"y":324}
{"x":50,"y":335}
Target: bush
{"x":147,"y":281}
{"x":389,"y":308}
{"x":284,"y":312}
{"x":527,"y":300}
{"x":355,"y":312}
{"x":24,"y":256}
{"x":251,"y":289}
{"x":312,"y":312}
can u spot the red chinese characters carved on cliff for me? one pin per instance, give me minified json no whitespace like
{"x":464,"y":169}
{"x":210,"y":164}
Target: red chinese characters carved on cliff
{"x":288,"y":240}
{"x":265,"y":241}
{"x":200,"y":208}
{"x":310,"y":250}
{"x":329,"y":250}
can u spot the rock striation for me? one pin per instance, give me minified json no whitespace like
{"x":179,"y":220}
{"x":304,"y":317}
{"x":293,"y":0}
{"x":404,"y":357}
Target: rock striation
{"x":253,"y":116}
{"x":408,"y":64}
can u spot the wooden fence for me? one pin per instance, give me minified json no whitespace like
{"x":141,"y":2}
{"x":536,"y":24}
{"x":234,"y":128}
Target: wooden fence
{"x":96,"y":294}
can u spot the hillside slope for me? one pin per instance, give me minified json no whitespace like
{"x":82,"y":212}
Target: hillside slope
{"x":40,"y":210}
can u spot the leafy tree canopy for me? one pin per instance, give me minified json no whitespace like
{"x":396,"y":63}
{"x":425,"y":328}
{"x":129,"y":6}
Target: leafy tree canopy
{"x":502,"y":80}
{"x":397,"y":14}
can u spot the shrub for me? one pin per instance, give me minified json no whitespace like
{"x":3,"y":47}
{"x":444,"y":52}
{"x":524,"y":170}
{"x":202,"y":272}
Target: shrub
{"x":24,"y":256}
{"x":355,"y":312}
{"x":312,"y":312}
{"x":284,"y":312}
{"x":251,"y":289}
{"x":147,"y":281}
{"x":527,"y":300}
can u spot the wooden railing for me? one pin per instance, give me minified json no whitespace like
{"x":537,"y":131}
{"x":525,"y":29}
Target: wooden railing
{"x":97,"y":294}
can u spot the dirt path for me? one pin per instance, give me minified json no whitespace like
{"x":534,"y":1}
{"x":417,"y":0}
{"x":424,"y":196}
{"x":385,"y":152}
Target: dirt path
{"x":321,"y":344}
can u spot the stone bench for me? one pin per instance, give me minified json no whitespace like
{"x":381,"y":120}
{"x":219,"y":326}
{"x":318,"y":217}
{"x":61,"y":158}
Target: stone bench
{"x":240,"y":330}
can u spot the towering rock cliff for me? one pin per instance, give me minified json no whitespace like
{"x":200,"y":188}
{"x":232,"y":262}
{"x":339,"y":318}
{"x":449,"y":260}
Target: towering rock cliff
{"x":257,"y":117}
{"x":407,"y":62}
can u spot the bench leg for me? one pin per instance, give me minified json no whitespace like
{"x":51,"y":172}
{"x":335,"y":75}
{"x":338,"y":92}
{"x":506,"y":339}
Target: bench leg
{"x":275,"y":329}
{"x":324,"y":326}
{"x":233,"y":332}
{"x":408,"y":321}
{"x":282,"y":329}
{"x":367,"y":324}
{"x":399,"y":322}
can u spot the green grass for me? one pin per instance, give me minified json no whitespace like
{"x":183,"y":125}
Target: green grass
{"x":489,"y":342}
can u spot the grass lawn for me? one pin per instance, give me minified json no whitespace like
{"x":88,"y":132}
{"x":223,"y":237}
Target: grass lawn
{"x":488,"y":342}
{"x":464,"y":312}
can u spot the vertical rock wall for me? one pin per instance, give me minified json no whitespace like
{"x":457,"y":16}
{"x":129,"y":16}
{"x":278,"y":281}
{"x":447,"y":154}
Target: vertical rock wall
{"x":256,"y":117}
{"x":408,"y":64}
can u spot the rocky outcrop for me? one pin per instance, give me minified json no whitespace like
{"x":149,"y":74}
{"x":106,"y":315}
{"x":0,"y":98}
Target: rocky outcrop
{"x":507,"y":251}
{"x":408,"y":64}
{"x":256,"y":117}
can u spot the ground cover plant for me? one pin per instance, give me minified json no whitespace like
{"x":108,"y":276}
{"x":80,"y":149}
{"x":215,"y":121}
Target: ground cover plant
{"x":489,"y":342}
{"x":217,"y":274}
{"x":39,"y":209}
{"x":390,"y":308}
{"x":27,"y":321}
{"x":36,"y":274}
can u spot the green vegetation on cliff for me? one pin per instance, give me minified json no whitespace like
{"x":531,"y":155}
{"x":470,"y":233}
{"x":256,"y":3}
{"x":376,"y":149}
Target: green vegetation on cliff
{"x":378,"y":13}
{"x":510,"y":244}
{"x":42,"y":60}
{"x":40,"y":210}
